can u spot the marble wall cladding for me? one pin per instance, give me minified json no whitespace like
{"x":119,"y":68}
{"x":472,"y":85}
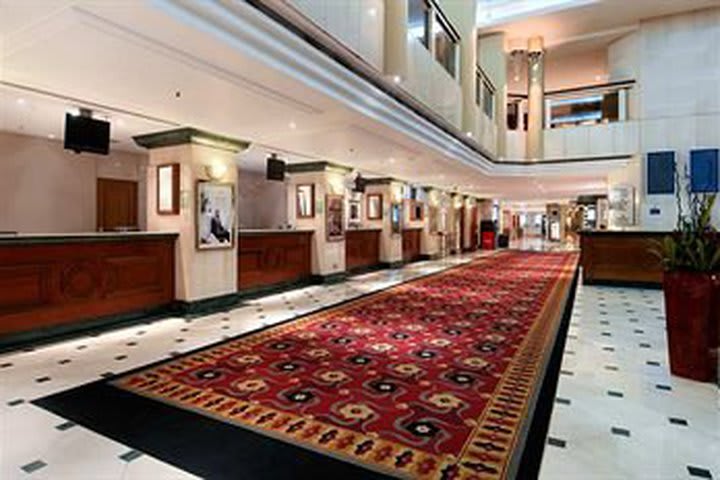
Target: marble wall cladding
{"x":679,"y":65}
{"x":359,"y":24}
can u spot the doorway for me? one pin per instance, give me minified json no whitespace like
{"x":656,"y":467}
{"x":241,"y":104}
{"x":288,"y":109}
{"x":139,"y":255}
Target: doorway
{"x":117,"y":205}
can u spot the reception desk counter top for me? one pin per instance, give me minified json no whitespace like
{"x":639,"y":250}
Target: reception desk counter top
{"x":247,"y":232}
{"x":85,"y":237}
{"x":620,"y":257}
{"x":63,"y":282}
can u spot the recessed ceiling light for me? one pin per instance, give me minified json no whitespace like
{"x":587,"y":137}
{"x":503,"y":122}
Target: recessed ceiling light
{"x":372,"y":12}
{"x":397,"y":79}
{"x":391,"y":160}
{"x":20,"y":101}
{"x":292,"y":125}
{"x":51,"y":136}
{"x":468,"y":134}
{"x":120,"y":122}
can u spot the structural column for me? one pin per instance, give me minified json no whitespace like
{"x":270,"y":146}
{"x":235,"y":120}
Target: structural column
{"x":536,"y":100}
{"x":328,"y":180}
{"x":391,"y":252}
{"x":430,"y":244}
{"x":395,"y":46}
{"x":200,"y":273}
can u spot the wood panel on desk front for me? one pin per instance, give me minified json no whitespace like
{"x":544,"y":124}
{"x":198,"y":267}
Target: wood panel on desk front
{"x":362,"y":248}
{"x":411,"y":244}
{"x":266,"y":259}
{"x":49,"y":285}
{"x":621,"y":257}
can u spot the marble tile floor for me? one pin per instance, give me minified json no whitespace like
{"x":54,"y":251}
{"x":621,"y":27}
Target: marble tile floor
{"x":37,"y":444}
{"x":618,"y":412}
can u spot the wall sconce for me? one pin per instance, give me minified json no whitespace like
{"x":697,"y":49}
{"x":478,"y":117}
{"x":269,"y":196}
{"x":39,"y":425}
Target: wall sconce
{"x":216,"y":170}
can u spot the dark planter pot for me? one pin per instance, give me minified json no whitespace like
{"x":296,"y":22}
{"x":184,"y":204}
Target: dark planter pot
{"x":691,"y":324}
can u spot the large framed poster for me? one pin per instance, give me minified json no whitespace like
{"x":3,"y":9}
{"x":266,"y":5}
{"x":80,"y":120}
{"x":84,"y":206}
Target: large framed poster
{"x":622,"y":206}
{"x":661,"y":173}
{"x":704,"y":170}
{"x":334,"y":218}
{"x":215,"y":215}
{"x":396,"y":218}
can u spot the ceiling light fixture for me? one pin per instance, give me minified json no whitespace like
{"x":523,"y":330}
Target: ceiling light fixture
{"x":372,"y":12}
{"x":21,"y":101}
{"x":396,"y":79}
{"x":292,"y":125}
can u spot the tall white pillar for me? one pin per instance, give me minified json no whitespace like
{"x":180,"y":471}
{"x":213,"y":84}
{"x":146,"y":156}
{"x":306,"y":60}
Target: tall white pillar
{"x":536,"y":100}
{"x":395,"y":39}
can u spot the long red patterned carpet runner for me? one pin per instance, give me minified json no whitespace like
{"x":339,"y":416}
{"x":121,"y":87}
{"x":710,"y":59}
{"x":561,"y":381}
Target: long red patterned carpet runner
{"x":430,"y":379}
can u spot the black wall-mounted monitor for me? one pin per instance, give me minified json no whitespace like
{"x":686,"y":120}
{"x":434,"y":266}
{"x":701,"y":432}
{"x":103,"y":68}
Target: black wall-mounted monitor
{"x":275,"y":169}
{"x":661,"y":173}
{"x":86,"y":134}
{"x":360,"y":184}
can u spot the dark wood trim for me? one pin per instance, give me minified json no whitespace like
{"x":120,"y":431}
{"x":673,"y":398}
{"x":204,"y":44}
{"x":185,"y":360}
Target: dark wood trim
{"x":620,"y":258}
{"x":273,"y":258}
{"x":367,"y":206}
{"x":362,"y":249}
{"x":312,"y":200}
{"x":49,"y":285}
{"x":175,"y":209}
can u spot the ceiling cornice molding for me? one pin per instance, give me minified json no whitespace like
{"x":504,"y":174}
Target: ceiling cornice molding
{"x":188,"y":135}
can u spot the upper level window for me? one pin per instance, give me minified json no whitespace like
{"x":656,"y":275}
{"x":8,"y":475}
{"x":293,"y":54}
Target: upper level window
{"x":485,"y":94}
{"x":419,"y":21}
{"x":445,"y":45}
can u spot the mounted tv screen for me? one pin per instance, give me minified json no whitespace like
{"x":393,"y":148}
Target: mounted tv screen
{"x":360,"y":183}
{"x":661,"y":173}
{"x":275,"y":169}
{"x":86,"y":134}
{"x":704,"y":170}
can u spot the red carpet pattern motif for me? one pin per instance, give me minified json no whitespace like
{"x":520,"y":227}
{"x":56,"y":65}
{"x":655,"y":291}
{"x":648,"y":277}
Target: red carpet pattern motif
{"x":429,"y":379}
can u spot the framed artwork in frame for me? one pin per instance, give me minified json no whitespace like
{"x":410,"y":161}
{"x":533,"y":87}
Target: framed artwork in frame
{"x":374,"y":206}
{"x":168,"y":189}
{"x":416,"y":211}
{"x":215,"y":215}
{"x":396,"y":218}
{"x":354,"y":212}
{"x":305,"y":201}
{"x":334,"y":218}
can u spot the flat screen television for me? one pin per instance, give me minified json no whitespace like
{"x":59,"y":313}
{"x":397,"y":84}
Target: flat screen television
{"x":86,"y":134}
{"x":275,"y":169}
{"x":360,"y":183}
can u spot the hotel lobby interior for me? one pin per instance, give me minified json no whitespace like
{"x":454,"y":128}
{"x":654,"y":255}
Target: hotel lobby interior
{"x":359,"y":239}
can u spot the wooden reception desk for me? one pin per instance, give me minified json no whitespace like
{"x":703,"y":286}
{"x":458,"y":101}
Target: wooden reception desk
{"x":362,"y":248}
{"x":411,"y":238}
{"x":60,"y":281}
{"x":273,"y":257}
{"x":620,"y":257}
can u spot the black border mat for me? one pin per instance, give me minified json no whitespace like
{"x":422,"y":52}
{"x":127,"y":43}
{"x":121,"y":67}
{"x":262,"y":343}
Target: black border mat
{"x":214,"y":449}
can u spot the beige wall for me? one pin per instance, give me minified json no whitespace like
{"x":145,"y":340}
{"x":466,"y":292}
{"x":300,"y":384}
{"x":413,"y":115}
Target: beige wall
{"x":198,"y":274}
{"x":261,"y":203}
{"x":46,"y":189}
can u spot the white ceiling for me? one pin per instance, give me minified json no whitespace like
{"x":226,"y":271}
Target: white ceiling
{"x":595,"y":22}
{"x":134,"y":64}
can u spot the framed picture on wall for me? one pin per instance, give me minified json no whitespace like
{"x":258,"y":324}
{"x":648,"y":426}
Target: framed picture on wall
{"x":168,"y":189}
{"x":396,"y":217}
{"x":305,"y":201}
{"x":354,"y":212}
{"x":374,"y":206}
{"x":621,"y":201}
{"x":416,"y":211}
{"x":215,"y":215}
{"x":334,"y":218}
